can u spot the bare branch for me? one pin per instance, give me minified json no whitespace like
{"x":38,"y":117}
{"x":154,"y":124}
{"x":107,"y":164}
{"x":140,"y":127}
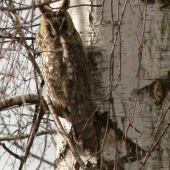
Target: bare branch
{"x":62,"y":131}
{"x":30,"y":56}
{"x":36,"y":6}
{"x":33,"y":132}
{"x":19,"y":100}
{"x":10,"y":152}
{"x":9,"y":138}
{"x":33,"y":155}
{"x":153,"y":147}
{"x":20,"y":147}
{"x":33,"y":6}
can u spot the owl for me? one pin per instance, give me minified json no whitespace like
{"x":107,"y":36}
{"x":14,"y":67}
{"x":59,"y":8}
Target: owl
{"x":65,"y":72}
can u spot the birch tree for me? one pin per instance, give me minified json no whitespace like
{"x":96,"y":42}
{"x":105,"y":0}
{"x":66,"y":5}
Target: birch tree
{"x":127,"y":48}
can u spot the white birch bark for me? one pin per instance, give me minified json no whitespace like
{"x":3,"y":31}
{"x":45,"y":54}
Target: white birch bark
{"x":140,"y":25}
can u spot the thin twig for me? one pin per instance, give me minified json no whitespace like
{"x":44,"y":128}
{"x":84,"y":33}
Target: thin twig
{"x":9,"y":138}
{"x":36,"y":6}
{"x":10,"y":152}
{"x":33,"y":132}
{"x":33,"y":155}
{"x":20,"y":147}
{"x":152,"y":148}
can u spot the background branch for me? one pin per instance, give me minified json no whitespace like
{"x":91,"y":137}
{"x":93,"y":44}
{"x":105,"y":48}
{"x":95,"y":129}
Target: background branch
{"x":9,"y":138}
{"x":19,"y":100}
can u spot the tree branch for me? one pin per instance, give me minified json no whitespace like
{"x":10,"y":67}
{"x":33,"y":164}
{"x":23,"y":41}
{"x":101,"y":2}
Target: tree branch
{"x":33,"y":155}
{"x":41,"y":4}
{"x":19,"y":100}
{"x":23,"y":42}
{"x":9,"y":138}
{"x":62,"y":131}
{"x":34,"y":130}
{"x":20,"y":147}
{"x":10,"y":152}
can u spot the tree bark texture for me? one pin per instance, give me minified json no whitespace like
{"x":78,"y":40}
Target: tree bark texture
{"x":138,"y":67}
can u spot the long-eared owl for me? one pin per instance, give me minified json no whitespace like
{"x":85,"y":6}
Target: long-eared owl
{"x":65,"y":71}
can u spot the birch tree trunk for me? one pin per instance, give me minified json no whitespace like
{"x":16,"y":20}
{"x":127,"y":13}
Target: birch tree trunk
{"x":127,"y":46}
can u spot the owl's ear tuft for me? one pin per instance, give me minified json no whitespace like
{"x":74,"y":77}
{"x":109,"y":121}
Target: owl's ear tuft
{"x":65,"y":4}
{"x":44,"y":7}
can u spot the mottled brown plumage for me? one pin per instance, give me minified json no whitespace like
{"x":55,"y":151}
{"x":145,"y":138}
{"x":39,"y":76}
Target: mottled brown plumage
{"x":65,"y":72}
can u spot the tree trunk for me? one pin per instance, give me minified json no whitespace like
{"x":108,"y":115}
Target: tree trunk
{"x":126,"y":43}
{"x":129,"y":74}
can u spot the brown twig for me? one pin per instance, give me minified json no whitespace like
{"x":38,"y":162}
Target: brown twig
{"x":22,"y":40}
{"x":38,"y":5}
{"x":34,"y":129}
{"x":127,"y":128}
{"x":9,"y":138}
{"x":155,"y":133}
{"x":102,"y":11}
{"x":20,"y":147}
{"x":152,"y":148}
{"x":33,"y":155}
{"x":10,"y":152}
